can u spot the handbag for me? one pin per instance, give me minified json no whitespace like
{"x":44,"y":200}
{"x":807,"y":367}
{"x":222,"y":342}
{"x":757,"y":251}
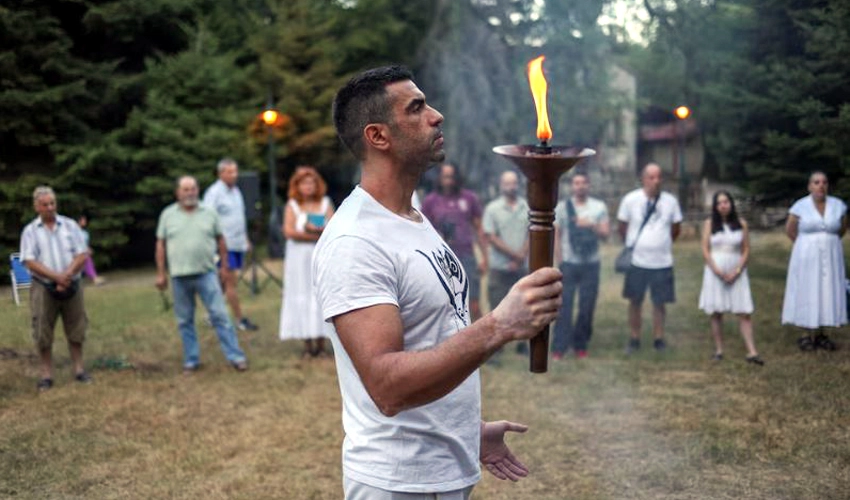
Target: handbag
{"x":623,"y":261}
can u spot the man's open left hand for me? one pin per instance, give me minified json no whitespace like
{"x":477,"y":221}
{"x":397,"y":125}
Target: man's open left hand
{"x":495,"y":454}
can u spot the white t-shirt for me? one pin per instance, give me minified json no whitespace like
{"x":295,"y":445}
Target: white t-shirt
{"x":594,"y":210}
{"x":367,"y":256}
{"x":654,"y":247}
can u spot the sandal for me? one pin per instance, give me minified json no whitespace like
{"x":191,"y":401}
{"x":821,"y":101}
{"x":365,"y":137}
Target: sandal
{"x":806,"y":344}
{"x":44,"y":384}
{"x":823,"y":342}
{"x":756,"y":360}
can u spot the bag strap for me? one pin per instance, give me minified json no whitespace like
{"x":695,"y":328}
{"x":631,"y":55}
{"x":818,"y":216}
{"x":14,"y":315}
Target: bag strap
{"x":646,"y":219}
{"x":571,"y":214}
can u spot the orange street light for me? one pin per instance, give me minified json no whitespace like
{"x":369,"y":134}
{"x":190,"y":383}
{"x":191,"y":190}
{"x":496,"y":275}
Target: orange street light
{"x":682,"y":112}
{"x":270,"y":117}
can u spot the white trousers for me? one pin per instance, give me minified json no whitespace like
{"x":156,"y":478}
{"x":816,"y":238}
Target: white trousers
{"x":358,"y":491}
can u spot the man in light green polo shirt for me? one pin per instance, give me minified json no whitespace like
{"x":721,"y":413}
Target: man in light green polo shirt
{"x":189,"y":235}
{"x":506,"y":227}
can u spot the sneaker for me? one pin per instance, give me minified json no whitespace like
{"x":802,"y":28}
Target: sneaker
{"x":246,"y":325}
{"x":718,"y":356}
{"x":99,"y":281}
{"x":581,"y":354}
{"x":240,"y":366}
{"x":659,"y":345}
{"x":83,"y":378}
{"x":633,"y":345}
{"x":190,"y":369}
{"x":756,"y":360}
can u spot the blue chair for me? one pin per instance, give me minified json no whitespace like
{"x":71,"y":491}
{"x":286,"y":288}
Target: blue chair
{"x":21,"y":278}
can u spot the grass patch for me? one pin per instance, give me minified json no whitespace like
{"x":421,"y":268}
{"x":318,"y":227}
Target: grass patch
{"x":651,"y":426}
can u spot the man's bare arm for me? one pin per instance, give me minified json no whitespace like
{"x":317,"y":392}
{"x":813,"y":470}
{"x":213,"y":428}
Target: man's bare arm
{"x":397,"y":379}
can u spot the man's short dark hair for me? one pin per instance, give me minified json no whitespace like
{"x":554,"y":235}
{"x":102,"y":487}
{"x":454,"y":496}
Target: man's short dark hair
{"x":580,"y":172}
{"x":363,"y":100}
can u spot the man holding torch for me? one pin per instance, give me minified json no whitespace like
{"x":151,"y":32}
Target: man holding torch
{"x":396,"y":301}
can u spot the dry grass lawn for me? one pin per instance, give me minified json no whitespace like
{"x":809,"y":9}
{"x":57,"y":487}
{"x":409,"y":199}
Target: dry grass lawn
{"x":671,"y":426}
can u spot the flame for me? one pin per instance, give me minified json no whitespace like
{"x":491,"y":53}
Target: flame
{"x":538,"y":89}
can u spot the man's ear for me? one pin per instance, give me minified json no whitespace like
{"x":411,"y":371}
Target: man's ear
{"x":377,"y":136}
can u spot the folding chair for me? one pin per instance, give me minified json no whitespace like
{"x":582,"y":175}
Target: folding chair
{"x":21,"y":277}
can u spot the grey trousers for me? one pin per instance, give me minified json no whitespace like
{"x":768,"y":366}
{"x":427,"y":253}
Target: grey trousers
{"x":358,"y":491}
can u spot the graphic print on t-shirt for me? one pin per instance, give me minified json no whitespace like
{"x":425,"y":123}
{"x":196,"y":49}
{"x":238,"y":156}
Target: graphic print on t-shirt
{"x":452,"y":277}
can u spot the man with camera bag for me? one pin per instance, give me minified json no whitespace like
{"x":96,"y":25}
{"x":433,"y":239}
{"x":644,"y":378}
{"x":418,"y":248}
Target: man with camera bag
{"x":650,"y":221}
{"x":53,"y":250}
{"x":580,"y":222}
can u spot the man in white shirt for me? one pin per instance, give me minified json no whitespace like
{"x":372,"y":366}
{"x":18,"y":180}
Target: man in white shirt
{"x":53,"y":250}
{"x":396,"y":301}
{"x":225,"y":197}
{"x":660,"y":217}
{"x":581,"y":221}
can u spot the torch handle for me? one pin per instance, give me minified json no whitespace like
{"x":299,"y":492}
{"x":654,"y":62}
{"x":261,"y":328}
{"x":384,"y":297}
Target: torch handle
{"x":541,"y":236}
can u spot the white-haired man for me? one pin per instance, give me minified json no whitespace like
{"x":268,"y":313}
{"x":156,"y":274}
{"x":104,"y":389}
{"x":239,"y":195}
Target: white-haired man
{"x":53,"y":250}
{"x":225,"y":197}
{"x":187,"y":237}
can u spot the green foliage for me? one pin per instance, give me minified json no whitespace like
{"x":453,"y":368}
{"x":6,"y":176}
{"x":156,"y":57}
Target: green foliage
{"x":767,"y":81}
{"x":109,"y":101}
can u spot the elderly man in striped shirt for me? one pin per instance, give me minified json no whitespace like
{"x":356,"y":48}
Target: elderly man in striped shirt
{"x":53,"y":250}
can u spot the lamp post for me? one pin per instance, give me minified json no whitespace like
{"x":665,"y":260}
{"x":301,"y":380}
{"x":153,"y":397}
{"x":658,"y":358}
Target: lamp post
{"x":270,"y":117}
{"x":682,"y":113}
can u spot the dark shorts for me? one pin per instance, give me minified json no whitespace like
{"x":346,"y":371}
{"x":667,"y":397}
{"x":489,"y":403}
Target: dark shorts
{"x":470,"y":265}
{"x":234,"y":260}
{"x":659,"y":281}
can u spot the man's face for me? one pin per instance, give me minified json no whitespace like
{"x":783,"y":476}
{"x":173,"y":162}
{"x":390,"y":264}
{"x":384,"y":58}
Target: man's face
{"x":45,"y":207}
{"x":414,"y":125}
{"x":448,"y":180}
{"x":580,"y":186}
{"x":509,"y":185}
{"x":651,"y":180}
{"x":229,"y":173}
{"x":187,"y":193}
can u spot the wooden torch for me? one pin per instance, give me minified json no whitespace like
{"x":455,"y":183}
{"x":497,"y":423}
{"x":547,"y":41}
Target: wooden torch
{"x":543,"y":166}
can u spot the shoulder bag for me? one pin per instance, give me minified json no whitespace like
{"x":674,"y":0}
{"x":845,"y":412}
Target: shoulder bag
{"x":623,"y":262}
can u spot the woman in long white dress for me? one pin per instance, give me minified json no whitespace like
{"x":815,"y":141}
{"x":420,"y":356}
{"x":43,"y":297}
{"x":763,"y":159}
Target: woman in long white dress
{"x":307,"y":212}
{"x":725,"y":283}
{"x":815,"y":291}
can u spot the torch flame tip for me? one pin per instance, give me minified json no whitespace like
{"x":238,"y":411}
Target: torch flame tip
{"x":537,"y":81}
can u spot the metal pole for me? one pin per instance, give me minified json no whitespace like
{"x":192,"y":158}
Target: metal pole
{"x":683,"y":181}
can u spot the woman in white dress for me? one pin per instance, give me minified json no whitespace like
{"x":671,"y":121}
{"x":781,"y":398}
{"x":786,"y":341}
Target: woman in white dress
{"x":725,"y":283}
{"x":814,"y":291}
{"x":307,"y":212}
